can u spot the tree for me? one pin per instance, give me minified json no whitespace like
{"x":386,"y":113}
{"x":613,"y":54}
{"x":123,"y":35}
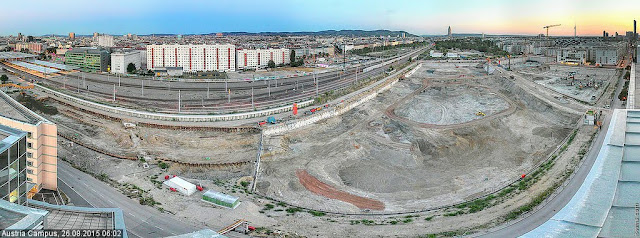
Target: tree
{"x":271,"y":64}
{"x":4,"y":78}
{"x":292,"y":57}
{"x":131,"y":68}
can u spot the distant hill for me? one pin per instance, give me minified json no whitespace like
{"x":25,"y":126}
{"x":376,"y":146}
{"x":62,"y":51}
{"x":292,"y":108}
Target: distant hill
{"x":358,"y":33}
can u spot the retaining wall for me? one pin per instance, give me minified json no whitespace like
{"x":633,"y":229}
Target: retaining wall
{"x":115,"y":111}
{"x":353,"y":101}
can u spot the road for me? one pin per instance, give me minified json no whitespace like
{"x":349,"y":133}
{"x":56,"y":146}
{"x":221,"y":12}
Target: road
{"x":558,"y":202}
{"x":141,"y":221}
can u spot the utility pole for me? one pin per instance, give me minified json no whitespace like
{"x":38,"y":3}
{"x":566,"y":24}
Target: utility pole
{"x":207,"y":90}
{"x":317,"y":83}
{"x":229,"y":96}
{"x":252,"y":105}
{"x":179,"y":102}
{"x":269,"y":87}
{"x":114,"y":92}
{"x":118,"y":80}
{"x":142,"y":87}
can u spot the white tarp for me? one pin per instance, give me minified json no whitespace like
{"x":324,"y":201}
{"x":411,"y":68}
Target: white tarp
{"x":180,"y":185}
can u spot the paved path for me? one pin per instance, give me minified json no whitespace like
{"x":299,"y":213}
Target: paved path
{"x":558,"y":202}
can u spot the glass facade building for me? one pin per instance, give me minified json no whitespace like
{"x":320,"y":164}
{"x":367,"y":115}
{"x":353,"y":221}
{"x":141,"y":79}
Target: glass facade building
{"x":88,"y":59}
{"x":13,"y":165}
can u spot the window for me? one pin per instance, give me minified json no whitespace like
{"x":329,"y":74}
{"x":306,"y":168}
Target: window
{"x":29,"y":171}
{"x":29,"y":179}
{"x":29,"y":155}
{"x":29,"y":163}
{"x":29,"y":145}
{"x":29,"y":135}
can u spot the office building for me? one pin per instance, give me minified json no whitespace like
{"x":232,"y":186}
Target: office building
{"x":192,"y":58}
{"x":41,"y":144}
{"x":120,"y":61}
{"x":449,"y":34}
{"x":259,"y":58}
{"x":88,"y":59}
{"x":13,"y":165}
{"x":105,"y":41}
{"x":72,"y":35}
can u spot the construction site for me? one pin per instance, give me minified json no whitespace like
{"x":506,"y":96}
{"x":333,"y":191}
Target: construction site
{"x":581,"y":83}
{"x":434,"y":148}
{"x":419,"y":149}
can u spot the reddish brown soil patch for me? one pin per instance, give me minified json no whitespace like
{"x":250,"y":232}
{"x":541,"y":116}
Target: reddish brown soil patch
{"x":318,"y":187}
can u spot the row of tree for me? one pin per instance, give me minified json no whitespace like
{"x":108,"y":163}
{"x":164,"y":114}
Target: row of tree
{"x":486,"y":46}
{"x":367,"y":50}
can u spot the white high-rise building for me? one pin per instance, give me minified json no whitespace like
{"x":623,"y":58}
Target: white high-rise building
{"x":105,"y":41}
{"x":192,"y":58}
{"x":259,"y":58}
{"x":121,"y":60}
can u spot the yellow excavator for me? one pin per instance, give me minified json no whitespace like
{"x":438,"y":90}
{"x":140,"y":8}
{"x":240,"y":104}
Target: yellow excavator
{"x":480,"y":114}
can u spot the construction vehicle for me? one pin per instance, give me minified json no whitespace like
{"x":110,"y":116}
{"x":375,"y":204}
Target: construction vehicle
{"x":480,"y":114}
{"x":262,"y":123}
{"x":271,"y":120}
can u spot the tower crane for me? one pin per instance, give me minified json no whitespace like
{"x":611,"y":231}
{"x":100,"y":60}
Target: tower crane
{"x":547,"y":27}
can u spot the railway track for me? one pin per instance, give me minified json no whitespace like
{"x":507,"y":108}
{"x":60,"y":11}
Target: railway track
{"x":262,"y":100}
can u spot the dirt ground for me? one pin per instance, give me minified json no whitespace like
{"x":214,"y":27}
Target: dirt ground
{"x":185,"y":146}
{"x":410,"y":168}
{"x":445,"y":105}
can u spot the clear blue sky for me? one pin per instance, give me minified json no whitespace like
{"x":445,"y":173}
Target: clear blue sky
{"x":38,"y":17}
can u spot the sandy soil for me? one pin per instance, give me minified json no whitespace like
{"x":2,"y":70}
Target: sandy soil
{"x":410,"y":168}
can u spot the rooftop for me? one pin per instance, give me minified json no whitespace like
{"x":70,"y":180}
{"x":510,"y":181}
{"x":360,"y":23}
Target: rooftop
{"x":87,"y":50}
{"x":606,"y":204}
{"x":12,"y":109}
{"x":71,"y":217}
{"x":9,"y":217}
{"x":15,"y":55}
{"x":14,"y":216}
{"x":9,"y":136}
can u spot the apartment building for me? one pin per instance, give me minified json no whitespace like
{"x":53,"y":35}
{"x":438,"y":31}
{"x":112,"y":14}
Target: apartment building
{"x":259,"y":58}
{"x":32,"y":47}
{"x":105,"y":41}
{"x":192,"y":58}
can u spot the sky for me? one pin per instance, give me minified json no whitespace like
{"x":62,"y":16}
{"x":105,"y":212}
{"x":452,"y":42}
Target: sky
{"x":427,"y":17}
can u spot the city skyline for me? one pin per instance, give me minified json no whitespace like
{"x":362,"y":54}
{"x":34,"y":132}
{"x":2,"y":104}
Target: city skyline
{"x":421,"y":18}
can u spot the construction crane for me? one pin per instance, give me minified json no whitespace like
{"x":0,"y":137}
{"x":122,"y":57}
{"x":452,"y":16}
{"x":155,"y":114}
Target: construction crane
{"x":547,"y":27}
